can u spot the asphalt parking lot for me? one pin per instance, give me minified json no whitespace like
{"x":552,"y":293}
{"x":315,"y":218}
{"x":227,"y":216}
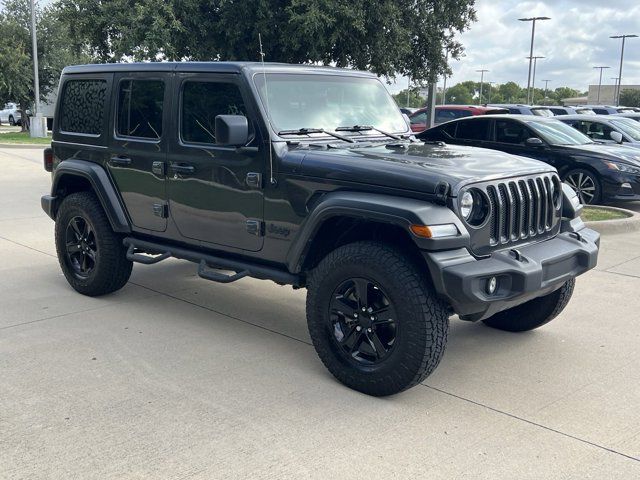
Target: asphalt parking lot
{"x":177,"y":377}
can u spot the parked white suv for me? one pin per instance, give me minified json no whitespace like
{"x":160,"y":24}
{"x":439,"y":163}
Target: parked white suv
{"x":10,"y":114}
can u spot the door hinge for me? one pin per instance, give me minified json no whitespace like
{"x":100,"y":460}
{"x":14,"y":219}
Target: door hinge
{"x":158,"y":168}
{"x":161,"y":210}
{"x":254,"y":180}
{"x":255,"y":227}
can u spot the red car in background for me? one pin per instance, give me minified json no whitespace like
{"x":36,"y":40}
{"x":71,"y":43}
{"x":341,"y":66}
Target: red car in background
{"x":444,"y":113}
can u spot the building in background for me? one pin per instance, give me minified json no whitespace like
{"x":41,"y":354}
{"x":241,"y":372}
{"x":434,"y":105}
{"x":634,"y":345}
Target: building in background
{"x":607,"y":93}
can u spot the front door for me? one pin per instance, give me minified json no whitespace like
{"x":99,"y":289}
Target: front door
{"x":215,"y":193}
{"x":511,"y":136}
{"x":138,"y":146}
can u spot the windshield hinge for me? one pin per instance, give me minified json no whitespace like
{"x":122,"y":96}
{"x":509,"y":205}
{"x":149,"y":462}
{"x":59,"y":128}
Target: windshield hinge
{"x":442,"y":192}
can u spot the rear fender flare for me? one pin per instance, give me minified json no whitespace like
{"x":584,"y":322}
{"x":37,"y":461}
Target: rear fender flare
{"x":101,"y":185}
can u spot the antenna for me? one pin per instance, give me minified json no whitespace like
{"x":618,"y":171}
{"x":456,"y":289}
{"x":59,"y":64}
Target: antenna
{"x":272,"y":180}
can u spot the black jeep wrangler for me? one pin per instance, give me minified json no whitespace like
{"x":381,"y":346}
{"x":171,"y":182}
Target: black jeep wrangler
{"x":309,"y":176}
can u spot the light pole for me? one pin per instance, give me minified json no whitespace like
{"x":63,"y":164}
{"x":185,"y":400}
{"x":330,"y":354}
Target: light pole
{"x":600,"y":83}
{"x":481,"y":72}
{"x":533,"y":34}
{"x":623,"y":37}
{"x":533,"y":82}
{"x":615,"y":87}
{"x":444,"y":86}
{"x":546,"y":84}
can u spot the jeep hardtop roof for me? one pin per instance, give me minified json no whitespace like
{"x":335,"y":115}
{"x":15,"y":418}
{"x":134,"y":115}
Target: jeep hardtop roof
{"x":211,"y":67}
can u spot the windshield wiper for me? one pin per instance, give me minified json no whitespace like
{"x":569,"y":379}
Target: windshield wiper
{"x":307,"y":131}
{"x":365,"y":128}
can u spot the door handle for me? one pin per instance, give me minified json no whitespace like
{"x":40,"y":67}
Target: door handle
{"x":180,"y":168}
{"x":120,"y":161}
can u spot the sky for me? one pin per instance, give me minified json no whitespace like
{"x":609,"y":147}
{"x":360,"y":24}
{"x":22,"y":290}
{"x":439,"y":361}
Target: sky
{"x":574,"y":41}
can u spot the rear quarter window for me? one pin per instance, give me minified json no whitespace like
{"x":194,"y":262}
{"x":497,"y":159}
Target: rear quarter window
{"x":82,"y":108}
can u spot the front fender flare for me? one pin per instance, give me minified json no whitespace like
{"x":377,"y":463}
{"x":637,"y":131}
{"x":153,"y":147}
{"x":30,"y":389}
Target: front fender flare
{"x":398,"y":211}
{"x":101,"y":185}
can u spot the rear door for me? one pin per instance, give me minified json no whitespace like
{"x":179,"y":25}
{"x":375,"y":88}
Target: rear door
{"x":138,"y":148}
{"x":474,"y":132}
{"x":215,"y":192}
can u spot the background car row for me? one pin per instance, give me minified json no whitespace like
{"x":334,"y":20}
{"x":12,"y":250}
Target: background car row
{"x":599,"y":172}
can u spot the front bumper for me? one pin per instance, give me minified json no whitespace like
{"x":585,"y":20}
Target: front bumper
{"x":523,"y":273}
{"x":621,"y":187}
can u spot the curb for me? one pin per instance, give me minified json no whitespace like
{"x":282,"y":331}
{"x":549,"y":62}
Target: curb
{"x":23,"y":145}
{"x":620,"y":225}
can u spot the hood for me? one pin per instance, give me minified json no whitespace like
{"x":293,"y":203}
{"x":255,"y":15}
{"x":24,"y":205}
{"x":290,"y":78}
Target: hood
{"x":609,"y":151}
{"x":419,"y":167}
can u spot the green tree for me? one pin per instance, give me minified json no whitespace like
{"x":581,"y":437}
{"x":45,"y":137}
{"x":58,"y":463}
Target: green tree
{"x":563,"y":92}
{"x":409,"y":97}
{"x":16,"y":55}
{"x":511,"y":92}
{"x":389,"y":37}
{"x":630,"y":98}
{"x":460,"y":94}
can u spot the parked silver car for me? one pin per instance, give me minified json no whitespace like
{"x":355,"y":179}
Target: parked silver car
{"x":606,"y":128}
{"x":10,"y":114}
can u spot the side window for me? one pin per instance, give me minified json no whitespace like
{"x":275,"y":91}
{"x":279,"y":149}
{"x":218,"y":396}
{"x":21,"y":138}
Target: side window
{"x":140,"y":105}
{"x":515,"y":111}
{"x":596,"y":131}
{"x":419,"y":119}
{"x":449,"y":130}
{"x":82,"y":107}
{"x":511,"y":132}
{"x":202,"y":102}
{"x":473,"y":129}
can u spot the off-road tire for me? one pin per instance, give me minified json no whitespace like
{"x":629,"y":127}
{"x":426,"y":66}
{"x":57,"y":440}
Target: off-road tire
{"x":423,"y":319}
{"x":112,"y":269}
{"x":534,"y":313}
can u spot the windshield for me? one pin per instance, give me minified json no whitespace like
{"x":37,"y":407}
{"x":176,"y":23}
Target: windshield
{"x":542,"y":112}
{"x":629,"y":127}
{"x":327,"y":102}
{"x":558,"y":133}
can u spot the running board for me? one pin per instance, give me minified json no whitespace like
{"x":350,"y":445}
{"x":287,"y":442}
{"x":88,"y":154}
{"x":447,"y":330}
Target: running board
{"x":149,"y":253}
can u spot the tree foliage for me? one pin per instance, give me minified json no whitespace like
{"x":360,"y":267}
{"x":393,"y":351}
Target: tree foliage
{"x":410,"y":97}
{"x":468,"y":92}
{"x":630,"y":98}
{"x":388,"y":37}
{"x":16,"y":55}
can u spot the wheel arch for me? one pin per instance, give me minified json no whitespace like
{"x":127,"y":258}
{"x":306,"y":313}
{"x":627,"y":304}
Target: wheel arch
{"x":72,"y":176}
{"x":344,"y":217}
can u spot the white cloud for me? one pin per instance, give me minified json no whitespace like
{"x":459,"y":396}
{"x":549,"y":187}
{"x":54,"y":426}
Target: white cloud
{"x":574,"y":41}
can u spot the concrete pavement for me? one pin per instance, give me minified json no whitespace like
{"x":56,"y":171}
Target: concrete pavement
{"x":177,"y":377}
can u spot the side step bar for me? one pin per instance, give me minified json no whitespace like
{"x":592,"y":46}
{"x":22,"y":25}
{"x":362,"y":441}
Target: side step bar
{"x":149,"y":253}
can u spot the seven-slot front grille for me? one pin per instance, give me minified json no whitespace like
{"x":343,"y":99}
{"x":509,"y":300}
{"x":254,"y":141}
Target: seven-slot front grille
{"x":521,"y":208}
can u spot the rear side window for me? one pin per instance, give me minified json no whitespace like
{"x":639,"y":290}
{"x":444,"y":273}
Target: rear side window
{"x":202,"y":102}
{"x":473,"y":129}
{"x":419,"y":119}
{"x":140,"y":104}
{"x":444,"y":115}
{"x":82,"y":107}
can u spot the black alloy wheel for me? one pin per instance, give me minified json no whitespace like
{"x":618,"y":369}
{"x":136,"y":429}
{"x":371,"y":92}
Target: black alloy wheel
{"x":362,"y":321}
{"x":81,"y":247}
{"x":585,"y":184}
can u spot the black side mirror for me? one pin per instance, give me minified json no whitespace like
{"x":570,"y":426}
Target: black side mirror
{"x":231,"y":130}
{"x":533,"y":142}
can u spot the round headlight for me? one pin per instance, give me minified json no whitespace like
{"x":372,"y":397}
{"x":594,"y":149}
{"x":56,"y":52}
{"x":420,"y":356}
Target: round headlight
{"x":466,"y":205}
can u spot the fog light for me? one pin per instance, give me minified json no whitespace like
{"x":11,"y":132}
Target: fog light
{"x":626,"y":185}
{"x":492,"y":284}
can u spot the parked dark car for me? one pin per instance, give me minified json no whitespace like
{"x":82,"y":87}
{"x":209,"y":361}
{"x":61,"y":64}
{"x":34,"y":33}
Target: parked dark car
{"x":445,"y":113}
{"x":519,"y":109}
{"x":607,"y":109}
{"x":600,"y":173}
{"x":319,"y":185}
{"x":571,"y":110}
{"x":606,"y":128}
